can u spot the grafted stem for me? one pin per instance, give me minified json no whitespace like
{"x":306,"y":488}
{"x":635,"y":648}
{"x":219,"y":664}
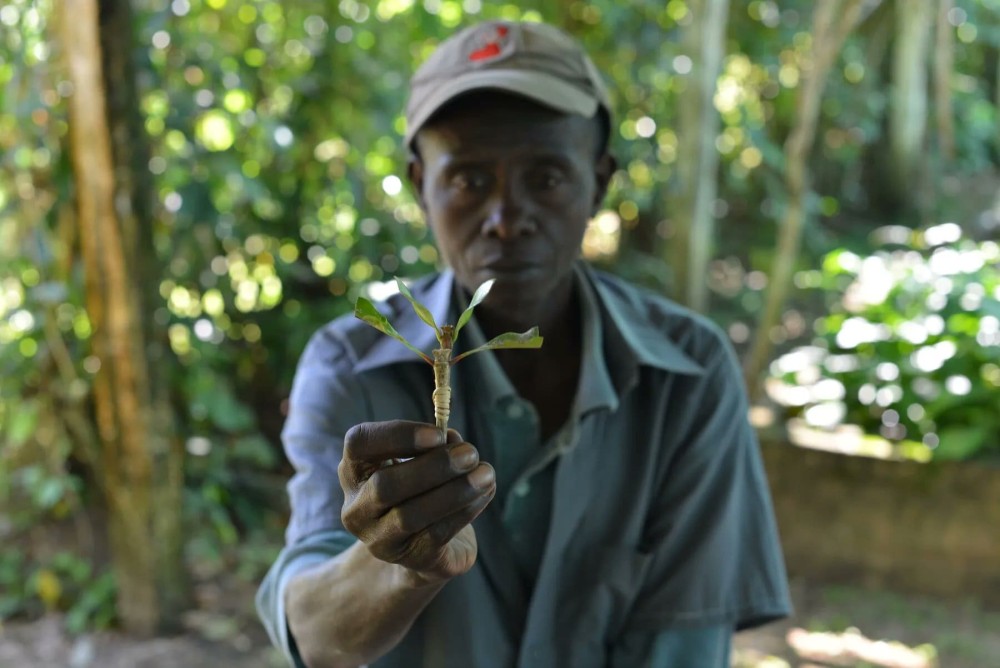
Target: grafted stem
{"x":442,"y":388}
{"x":441,"y":358}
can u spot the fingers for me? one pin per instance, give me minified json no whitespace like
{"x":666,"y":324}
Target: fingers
{"x":415,"y":532}
{"x":407,"y":512}
{"x":369,"y":444}
{"x":420,"y":512}
{"x":444,"y":530}
{"x":390,"y":486}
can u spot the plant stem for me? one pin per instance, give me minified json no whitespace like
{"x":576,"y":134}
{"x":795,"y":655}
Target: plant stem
{"x":442,"y":388}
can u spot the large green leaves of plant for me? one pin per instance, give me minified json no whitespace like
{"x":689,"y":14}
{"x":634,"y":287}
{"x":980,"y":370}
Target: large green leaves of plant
{"x":961,"y":442}
{"x":480,"y":295}
{"x":365,"y":311}
{"x":420,"y":309}
{"x":508,"y":341}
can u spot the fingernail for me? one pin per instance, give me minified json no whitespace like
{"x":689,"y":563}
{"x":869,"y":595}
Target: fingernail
{"x":463,"y":457}
{"x":482,"y":477}
{"x":428,"y":437}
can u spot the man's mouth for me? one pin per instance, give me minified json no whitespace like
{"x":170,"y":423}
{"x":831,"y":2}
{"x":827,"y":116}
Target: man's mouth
{"x":509,"y":265}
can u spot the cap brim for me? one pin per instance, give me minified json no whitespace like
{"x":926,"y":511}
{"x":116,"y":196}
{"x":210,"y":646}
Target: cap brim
{"x":543,"y":88}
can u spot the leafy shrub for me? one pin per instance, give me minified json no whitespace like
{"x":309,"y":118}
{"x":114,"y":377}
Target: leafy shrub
{"x":910,"y":350}
{"x":65,"y":582}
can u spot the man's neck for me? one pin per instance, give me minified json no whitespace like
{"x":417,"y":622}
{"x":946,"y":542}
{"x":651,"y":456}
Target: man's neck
{"x":547,"y":377}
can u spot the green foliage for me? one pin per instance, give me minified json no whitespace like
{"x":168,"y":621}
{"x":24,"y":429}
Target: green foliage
{"x":910,"y":349}
{"x":477,"y":298}
{"x":507,"y":341}
{"x":422,"y":311}
{"x":365,"y":311}
{"x":65,"y":583}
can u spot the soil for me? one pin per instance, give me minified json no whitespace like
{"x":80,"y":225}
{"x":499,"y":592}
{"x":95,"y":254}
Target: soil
{"x":225,"y":633}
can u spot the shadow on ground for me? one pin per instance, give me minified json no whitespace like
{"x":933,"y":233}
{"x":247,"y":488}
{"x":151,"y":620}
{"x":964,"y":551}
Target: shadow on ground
{"x":848,"y":624}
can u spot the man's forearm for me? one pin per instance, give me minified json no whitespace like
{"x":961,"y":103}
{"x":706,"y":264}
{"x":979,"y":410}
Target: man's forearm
{"x":353,"y":609}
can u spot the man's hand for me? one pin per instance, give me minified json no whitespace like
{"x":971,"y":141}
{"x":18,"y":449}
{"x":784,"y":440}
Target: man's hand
{"x":416,"y":513}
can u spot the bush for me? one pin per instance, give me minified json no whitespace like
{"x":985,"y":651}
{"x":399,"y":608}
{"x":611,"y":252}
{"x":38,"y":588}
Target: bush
{"x":910,"y":350}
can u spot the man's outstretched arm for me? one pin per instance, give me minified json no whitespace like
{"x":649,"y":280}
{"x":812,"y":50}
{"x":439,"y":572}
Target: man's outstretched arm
{"x":412,"y":520}
{"x":353,"y":609}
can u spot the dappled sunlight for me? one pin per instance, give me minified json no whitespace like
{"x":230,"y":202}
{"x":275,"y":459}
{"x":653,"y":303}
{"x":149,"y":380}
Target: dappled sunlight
{"x":602,"y":237}
{"x":851,"y":648}
{"x":849,"y":627}
{"x":914,"y":331}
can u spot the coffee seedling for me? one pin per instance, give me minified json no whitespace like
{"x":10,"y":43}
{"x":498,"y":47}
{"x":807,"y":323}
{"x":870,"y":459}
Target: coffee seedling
{"x":442,"y":359}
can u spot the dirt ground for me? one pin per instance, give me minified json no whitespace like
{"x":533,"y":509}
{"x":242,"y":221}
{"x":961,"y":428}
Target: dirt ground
{"x":225,"y":634}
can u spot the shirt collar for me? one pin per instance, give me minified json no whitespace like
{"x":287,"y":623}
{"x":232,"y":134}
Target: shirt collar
{"x":595,"y":388}
{"x":629,"y":328}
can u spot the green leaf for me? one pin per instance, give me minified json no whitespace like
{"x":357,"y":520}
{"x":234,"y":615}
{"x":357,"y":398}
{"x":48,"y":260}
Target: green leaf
{"x":510,"y":340}
{"x":420,"y":309}
{"x":480,"y":295}
{"x":366,"y":312}
{"x":226,"y":411}
{"x":254,"y":449}
{"x":960,"y":442}
{"x":22,"y":424}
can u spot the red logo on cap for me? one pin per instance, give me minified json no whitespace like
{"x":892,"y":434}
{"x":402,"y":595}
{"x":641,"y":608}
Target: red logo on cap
{"x":493,"y":43}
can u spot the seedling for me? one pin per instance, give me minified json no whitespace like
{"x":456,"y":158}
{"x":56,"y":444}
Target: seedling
{"x":441,"y":359}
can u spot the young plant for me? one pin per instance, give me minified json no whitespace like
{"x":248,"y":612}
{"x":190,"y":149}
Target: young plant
{"x":446,"y":335}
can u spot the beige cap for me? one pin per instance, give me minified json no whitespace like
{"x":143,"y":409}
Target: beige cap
{"x":535,"y":60}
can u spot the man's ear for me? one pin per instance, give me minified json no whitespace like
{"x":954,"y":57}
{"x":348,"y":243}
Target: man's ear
{"x":415,"y":174}
{"x":604,"y":168}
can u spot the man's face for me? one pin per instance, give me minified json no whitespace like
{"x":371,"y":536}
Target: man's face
{"x":508,"y":187}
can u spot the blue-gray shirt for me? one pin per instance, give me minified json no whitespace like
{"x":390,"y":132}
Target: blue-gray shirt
{"x":640,"y":534}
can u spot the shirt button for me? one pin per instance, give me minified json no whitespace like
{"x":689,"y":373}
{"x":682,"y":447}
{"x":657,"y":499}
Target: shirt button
{"x":522,"y":489}
{"x":515,"y":411}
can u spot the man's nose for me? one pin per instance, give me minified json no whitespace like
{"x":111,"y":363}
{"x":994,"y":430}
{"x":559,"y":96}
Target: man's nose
{"x":507,"y":216}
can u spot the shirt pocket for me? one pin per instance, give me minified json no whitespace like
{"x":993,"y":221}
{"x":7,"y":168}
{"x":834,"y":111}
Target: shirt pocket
{"x":598,"y":601}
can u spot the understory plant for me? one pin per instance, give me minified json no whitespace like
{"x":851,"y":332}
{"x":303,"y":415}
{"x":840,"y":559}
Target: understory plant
{"x":910,"y":348}
{"x":441,"y":358}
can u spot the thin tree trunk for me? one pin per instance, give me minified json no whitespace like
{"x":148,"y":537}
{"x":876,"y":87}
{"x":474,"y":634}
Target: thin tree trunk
{"x":833,"y":21}
{"x":908,"y":95}
{"x":690,"y":250}
{"x":944,"y":59}
{"x":141,"y":460}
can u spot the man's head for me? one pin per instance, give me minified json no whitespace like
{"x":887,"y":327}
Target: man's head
{"x":508,"y":126}
{"x":532,"y":60}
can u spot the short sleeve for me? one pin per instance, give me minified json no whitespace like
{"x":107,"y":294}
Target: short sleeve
{"x":711,"y":534}
{"x":326,"y":401}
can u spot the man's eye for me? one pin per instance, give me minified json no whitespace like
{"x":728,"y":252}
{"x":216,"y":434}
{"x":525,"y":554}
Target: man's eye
{"x":549,"y":179}
{"x":469,"y":180}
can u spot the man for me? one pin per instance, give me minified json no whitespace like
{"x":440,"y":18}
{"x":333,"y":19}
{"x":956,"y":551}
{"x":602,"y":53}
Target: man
{"x":599,"y":502}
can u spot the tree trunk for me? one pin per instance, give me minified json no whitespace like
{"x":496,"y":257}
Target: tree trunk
{"x":141,"y":457}
{"x":944,"y":60}
{"x":690,"y":249}
{"x":908,"y":95}
{"x":833,"y":21}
